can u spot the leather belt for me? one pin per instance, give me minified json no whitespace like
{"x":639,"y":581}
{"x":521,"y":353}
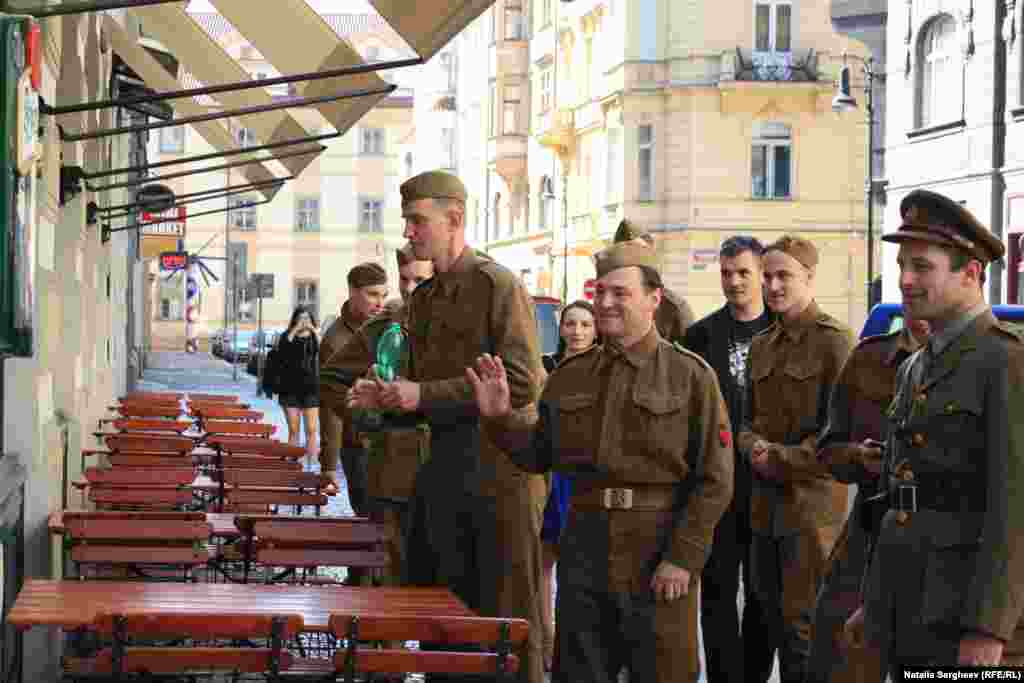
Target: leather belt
{"x":635,"y":497}
{"x":941,"y":493}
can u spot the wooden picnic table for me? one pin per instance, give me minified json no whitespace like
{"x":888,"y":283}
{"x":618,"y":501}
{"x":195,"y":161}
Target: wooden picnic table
{"x":76,"y":604}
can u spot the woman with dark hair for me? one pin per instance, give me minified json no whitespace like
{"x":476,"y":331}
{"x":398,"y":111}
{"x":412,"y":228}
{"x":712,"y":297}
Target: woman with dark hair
{"x":298,"y":364}
{"x":577,"y":332}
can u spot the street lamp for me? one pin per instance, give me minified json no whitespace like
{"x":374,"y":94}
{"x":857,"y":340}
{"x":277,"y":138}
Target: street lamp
{"x":845,"y":101}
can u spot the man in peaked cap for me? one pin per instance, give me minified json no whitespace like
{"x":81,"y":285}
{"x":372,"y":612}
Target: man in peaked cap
{"x":945,"y":585}
{"x":640,"y":425}
{"x":796,"y":508}
{"x":674,"y":314}
{"x":475,"y":519}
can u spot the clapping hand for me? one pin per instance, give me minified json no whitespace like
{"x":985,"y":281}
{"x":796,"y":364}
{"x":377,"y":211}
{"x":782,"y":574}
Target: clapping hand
{"x":490,"y":386}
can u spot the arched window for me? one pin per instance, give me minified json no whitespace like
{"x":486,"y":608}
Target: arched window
{"x":941,"y":74}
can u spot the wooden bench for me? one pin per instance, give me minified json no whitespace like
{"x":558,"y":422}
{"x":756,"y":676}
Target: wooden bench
{"x":236,"y":428}
{"x":212,"y":398}
{"x":219,"y":412}
{"x":259,"y":462}
{"x":125,"y":657}
{"x":147,"y":410}
{"x":150,"y":443}
{"x":141,"y":476}
{"x":149,"y":460}
{"x":165,"y":396}
{"x":308,"y":542}
{"x":246,"y":445}
{"x":143,"y":424}
{"x":473,"y":645}
{"x":132,"y":540}
{"x":145,"y":497}
{"x":200,"y":406}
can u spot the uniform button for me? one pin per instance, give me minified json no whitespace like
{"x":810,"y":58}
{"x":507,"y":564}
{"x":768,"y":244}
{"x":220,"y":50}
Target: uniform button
{"x":907,"y":475}
{"x":918,"y":439}
{"x":902,"y":517}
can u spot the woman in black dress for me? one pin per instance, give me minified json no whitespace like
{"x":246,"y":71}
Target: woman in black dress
{"x":297,"y":358}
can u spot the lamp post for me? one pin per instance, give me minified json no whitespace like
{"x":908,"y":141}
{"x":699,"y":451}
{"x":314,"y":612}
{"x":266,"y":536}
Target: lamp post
{"x":844,"y":101}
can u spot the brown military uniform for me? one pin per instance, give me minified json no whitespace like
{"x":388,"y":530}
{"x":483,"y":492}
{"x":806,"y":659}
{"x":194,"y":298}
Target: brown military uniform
{"x":475,"y":519}
{"x":394,"y":454}
{"x":861,"y":396}
{"x":336,"y":433}
{"x":797,"y":513}
{"x":649,"y":420}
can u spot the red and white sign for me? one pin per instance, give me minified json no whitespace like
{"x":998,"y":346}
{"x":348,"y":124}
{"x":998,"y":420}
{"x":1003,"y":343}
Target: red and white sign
{"x":588,"y":289}
{"x":171,"y":222}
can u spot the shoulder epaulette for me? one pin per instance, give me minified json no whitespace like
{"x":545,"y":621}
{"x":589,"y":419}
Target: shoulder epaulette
{"x":690,"y":354}
{"x":1009,"y":330}
{"x":875,"y":338}
{"x":825,"y":320}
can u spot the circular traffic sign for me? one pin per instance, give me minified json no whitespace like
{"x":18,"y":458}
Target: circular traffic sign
{"x":154,"y":198}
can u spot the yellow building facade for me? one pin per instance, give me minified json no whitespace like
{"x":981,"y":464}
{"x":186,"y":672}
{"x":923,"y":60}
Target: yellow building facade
{"x":696,"y":120}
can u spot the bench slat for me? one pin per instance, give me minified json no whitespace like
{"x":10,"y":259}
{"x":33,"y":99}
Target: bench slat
{"x":321,"y":531}
{"x":321,"y":557}
{"x":168,"y":660}
{"x":140,"y":496}
{"x":424,"y":661}
{"x":180,"y":476}
{"x":433,"y":629}
{"x":144,"y":529}
{"x":254,"y":496}
{"x":127,"y":554}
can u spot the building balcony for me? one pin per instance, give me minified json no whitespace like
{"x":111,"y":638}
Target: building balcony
{"x":555,"y":128}
{"x":771,"y":66}
{"x":508,"y":154}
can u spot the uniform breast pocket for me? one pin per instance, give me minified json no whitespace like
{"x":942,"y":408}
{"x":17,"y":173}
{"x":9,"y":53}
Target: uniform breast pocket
{"x":461,"y":338}
{"x":577,"y":432}
{"x":660,"y":424}
{"x":800,"y":387}
{"x":948,"y":572}
{"x":955,"y":426}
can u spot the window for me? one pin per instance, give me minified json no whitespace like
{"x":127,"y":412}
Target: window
{"x":773,"y":26}
{"x":492,"y":111}
{"x":408,"y":164}
{"x":544,"y":202}
{"x":448,"y":69}
{"x":546,"y":12}
{"x":307,"y":214}
{"x":245,"y":137}
{"x":165,"y":309}
{"x":172,"y":140}
{"x":613,"y":183}
{"x":243,"y":218}
{"x":493,"y":16}
{"x":370,"y":215}
{"x":371,"y":141}
{"x":510,"y":124}
{"x":645,"y":177}
{"x":588,"y":56}
{"x":771,"y":161}
{"x":448,"y":147}
{"x":497,"y":216}
{"x":546,"y":76}
{"x":515,"y":29}
{"x":307,"y":293}
{"x":941,"y":83}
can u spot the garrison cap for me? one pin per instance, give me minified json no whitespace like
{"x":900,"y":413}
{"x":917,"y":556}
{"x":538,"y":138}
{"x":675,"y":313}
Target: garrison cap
{"x":405,"y":256}
{"x":802,"y":250}
{"x":367,"y":275}
{"x":623,"y":255}
{"x":628,"y":231}
{"x":433,"y":185}
{"x":932,"y":217}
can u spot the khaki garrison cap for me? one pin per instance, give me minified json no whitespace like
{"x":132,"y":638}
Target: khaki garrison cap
{"x":802,"y":250}
{"x":932,"y":217}
{"x":623,"y":255}
{"x":433,"y":185}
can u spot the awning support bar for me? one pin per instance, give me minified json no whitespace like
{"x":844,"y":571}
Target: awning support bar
{"x":192,"y":215}
{"x":225,"y":192}
{"x":134,"y":206}
{"x":78,"y":8}
{"x":244,"y":111}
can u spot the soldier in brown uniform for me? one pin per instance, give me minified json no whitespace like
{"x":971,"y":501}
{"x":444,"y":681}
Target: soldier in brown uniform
{"x":368,"y":290}
{"x":797,"y":507}
{"x":641,"y":427}
{"x":849,"y":447}
{"x":395,"y":452}
{"x":474,"y":518}
{"x":945,"y":585}
{"x":674,"y":314}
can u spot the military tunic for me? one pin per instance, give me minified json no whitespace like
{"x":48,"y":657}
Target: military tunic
{"x":861,"y":396}
{"x":475,"y":519}
{"x":394,"y":454}
{"x":797,"y":510}
{"x":649,"y":419}
{"x":336,"y":434}
{"x":955,"y":565}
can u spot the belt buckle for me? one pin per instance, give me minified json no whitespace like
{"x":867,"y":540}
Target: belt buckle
{"x":906,"y":497}
{"x":618,"y":499}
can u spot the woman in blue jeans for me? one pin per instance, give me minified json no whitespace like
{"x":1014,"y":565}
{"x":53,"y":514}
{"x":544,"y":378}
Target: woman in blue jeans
{"x":577,"y":332}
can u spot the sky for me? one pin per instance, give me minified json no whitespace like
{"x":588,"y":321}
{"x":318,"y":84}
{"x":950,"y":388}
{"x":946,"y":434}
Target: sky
{"x":318,"y":5}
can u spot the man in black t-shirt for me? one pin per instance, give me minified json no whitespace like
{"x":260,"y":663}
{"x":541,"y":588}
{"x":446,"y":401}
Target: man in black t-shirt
{"x":723,"y":340}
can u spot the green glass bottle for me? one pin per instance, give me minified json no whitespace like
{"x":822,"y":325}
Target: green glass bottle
{"x":390,"y":352}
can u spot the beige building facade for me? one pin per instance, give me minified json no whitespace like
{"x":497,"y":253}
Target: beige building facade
{"x":696,"y":120}
{"x":343,"y":209}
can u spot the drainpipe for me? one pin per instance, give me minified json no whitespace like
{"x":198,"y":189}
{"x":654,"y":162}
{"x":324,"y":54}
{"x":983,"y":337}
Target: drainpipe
{"x":998,"y":184}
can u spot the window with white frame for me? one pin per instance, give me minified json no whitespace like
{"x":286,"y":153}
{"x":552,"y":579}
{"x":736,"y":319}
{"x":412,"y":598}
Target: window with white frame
{"x":307,"y":214}
{"x":613,"y":170}
{"x":307,"y":293}
{"x":245,"y":137}
{"x":547,"y":12}
{"x":371,"y":141}
{"x":645,"y":162}
{"x":492,"y":111}
{"x":941,"y":74}
{"x":773,"y":26}
{"x":243,"y":216}
{"x":510,"y":109}
{"x":371,"y":215}
{"x":515,"y":28}
{"x":546,"y":90}
{"x":771,"y":161}
{"x":172,"y":140}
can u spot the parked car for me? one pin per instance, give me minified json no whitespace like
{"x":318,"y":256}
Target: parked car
{"x":237,"y":349}
{"x":885,"y":318}
{"x":270,"y":338}
{"x":547,"y":309}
